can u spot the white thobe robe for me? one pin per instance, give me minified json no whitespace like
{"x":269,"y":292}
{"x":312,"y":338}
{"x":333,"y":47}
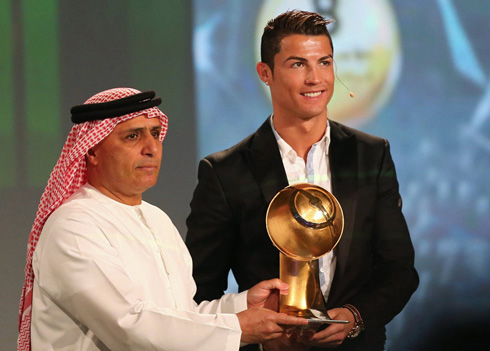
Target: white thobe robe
{"x":109,"y":276}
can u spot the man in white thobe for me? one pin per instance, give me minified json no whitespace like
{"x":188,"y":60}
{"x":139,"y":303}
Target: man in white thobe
{"x":107,"y":270}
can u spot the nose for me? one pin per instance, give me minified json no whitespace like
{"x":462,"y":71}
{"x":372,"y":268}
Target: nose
{"x":150,"y":145}
{"x":313,"y":76}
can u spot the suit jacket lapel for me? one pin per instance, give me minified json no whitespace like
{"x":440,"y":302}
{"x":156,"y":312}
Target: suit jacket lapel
{"x":266,"y":163}
{"x":343,"y":165}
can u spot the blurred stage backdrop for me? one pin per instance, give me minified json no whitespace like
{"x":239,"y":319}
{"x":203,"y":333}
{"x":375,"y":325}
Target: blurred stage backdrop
{"x":419,"y":69}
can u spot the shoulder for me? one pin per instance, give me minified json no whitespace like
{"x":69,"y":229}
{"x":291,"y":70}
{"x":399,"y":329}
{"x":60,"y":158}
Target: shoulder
{"x":78,"y":206}
{"x":87,"y":209}
{"x":262,"y":138}
{"x":339,"y":131}
{"x":79,"y":216}
{"x":156,"y":212}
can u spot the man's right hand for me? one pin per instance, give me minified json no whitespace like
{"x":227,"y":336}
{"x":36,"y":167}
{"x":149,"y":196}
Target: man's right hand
{"x":260,"y":325}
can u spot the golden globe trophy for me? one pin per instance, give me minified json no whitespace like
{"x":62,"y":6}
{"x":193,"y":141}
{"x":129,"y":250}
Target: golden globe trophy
{"x":305,"y":222}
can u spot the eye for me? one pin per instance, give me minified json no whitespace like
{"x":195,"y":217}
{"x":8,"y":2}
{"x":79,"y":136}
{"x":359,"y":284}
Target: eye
{"x":297,"y":64}
{"x":325,"y":63}
{"x":156,"y":134}
{"x":132,"y":136}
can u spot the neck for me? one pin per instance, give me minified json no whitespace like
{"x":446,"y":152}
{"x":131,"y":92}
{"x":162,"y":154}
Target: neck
{"x":130,"y":200}
{"x":300,"y":134}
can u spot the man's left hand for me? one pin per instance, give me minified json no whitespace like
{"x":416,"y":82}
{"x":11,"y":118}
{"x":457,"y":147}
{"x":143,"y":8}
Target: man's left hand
{"x":335,"y":333}
{"x":266,"y":294}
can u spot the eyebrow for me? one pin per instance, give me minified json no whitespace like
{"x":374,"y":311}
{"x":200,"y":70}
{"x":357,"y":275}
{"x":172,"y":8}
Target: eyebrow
{"x":326,"y":57}
{"x":302,"y":59}
{"x":139,"y":129}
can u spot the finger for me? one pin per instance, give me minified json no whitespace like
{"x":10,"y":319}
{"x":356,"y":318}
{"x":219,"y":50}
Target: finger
{"x":326,"y":335}
{"x":274,"y":284}
{"x":287,"y":321}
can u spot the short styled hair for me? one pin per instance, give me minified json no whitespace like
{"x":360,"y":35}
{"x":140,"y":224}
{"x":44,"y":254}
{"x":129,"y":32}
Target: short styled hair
{"x":288,"y":23}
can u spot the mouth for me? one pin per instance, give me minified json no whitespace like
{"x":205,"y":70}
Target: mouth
{"x":312,"y":94}
{"x":147,"y":167}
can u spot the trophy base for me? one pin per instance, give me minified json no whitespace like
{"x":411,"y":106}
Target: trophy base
{"x":315,"y":318}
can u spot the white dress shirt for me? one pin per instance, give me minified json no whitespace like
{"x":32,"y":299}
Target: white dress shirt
{"x":316,"y":170}
{"x":109,"y":276}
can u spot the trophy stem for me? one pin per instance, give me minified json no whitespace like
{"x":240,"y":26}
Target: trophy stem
{"x":305,"y":298}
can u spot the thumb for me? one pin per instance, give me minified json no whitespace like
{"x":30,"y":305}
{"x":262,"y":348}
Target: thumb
{"x":274,"y":284}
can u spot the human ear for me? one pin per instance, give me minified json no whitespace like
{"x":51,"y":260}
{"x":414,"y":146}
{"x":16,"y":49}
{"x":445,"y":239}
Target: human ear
{"x":91,"y":157}
{"x":264,"y":72}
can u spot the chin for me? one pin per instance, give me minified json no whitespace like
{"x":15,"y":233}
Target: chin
{"x":312,"y":115}
{"x":147,"y":184}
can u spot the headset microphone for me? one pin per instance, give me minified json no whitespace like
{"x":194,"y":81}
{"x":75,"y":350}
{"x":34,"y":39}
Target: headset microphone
{"x":351,"y":93}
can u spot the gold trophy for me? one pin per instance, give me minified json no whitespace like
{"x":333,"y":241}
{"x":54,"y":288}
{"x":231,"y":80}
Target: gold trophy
{"x":305,"y":222}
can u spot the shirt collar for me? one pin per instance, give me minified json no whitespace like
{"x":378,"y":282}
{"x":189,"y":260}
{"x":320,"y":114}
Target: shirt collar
{"x":288,"y":151}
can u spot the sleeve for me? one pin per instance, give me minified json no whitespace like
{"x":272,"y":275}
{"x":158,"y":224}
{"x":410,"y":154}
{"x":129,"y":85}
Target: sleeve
{"x":83,"y":274}
{"x":228,"y":303}
{"x":394,"y":278}
{"x":210,"y":233}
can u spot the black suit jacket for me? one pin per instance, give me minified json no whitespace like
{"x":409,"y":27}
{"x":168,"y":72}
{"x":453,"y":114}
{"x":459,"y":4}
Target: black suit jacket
{"x":375,"y":257}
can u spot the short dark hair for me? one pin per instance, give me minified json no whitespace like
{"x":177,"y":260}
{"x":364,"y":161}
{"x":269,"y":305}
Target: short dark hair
{"x":287,"y":23}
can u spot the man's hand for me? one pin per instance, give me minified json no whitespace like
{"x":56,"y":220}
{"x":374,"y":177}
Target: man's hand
{"x":334,"y":334}
{"x":260,"y":325}
{"x":266,"y":294}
